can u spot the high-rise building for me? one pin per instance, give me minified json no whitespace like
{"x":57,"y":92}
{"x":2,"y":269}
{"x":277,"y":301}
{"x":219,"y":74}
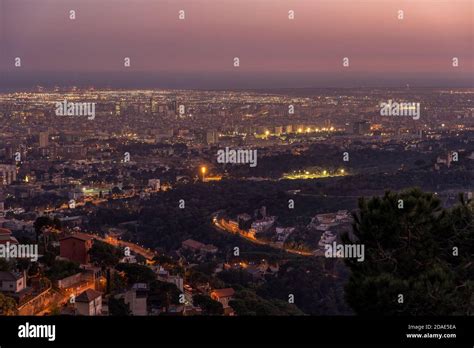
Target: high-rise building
{"x":2,"y":205}
{"x":211,"y":137}
{"x":43,"y":139}
{"x":154,"y":106}
{"x":7,"y":174}
{"x":172,"y":108}
{"x":361,"y":127}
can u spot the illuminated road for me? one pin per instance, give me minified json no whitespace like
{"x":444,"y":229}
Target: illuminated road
{"x":65,"y":295}
{"x":62,"y":296}
{"x":225,"y":226}
{"x":146,"y":253}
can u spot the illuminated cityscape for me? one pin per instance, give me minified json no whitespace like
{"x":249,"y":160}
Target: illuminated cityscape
{"x":97,"y":179}
{"x":237,"y":160}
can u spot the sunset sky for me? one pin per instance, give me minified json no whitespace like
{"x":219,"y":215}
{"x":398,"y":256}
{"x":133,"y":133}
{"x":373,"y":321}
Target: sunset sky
{"x":306,"y":51}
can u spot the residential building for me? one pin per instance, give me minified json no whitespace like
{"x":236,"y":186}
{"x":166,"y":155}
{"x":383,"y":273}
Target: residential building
{"x":13,"y":282}
{"x":6,"y":236}
{"x":89,"y":303}
{"x":136,"y":298}
{"x":224,"y":296}
{"x":75,"y":247}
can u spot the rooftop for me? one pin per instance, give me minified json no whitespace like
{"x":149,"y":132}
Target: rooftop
{"x":10,"y":276}
{"x":226,"y":292}
{"x":88,"y":296}
{"x":80,"y":236}
{"x":193,"y":244}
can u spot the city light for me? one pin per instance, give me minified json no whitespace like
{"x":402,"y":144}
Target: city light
{"x":162,"y":183}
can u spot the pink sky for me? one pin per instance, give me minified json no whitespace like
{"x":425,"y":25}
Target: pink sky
{"x":257,"y":31}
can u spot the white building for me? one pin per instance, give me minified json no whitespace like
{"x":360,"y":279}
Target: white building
{"x":89,"y":303}
{"x":136,"y":298}
{"x":263,"y":224}
{"x":154,"y":184}
{"x":12,"y":281}
{"x":327,"y":238}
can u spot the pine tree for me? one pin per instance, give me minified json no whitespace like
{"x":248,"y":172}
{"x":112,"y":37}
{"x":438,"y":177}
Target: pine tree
{"x":410,"y":251}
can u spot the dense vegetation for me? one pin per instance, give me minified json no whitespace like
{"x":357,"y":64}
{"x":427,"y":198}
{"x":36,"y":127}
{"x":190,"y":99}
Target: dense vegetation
{"x":418,"y":259}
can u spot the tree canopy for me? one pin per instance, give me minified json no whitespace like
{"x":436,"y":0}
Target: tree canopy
{"x":418,"y":256}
